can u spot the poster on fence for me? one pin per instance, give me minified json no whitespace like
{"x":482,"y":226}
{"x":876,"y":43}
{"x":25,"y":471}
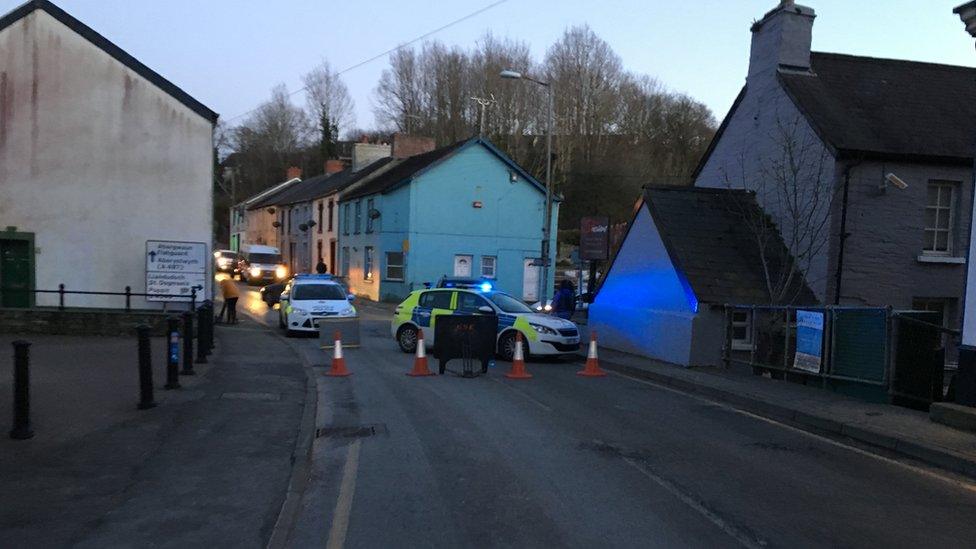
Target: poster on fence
{"x":809,"y":341}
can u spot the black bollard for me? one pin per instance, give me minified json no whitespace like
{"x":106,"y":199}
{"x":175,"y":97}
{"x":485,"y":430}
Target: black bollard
{"x":172,"y":353}
{"x":210,"y":326}
{"x":187,"y":344}
{"x":22,"y":427}
{"x":145,"y":369}
{"x":202,"y":334}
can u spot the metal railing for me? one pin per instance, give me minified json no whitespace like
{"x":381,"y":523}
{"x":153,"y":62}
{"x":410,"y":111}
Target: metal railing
{"x":772,"y":340}
{"x":128,"y":294}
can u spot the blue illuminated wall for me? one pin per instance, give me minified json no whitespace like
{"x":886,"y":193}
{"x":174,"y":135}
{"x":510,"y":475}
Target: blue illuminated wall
{"x":645,"y":305}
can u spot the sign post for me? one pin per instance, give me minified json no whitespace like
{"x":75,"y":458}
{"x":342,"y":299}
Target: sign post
{"x":594,"y":244}
{"x":809,"y":341}
{"x":175,"y":269}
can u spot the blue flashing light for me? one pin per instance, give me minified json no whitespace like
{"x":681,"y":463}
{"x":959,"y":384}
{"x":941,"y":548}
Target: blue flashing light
{"x":427,"y":285}
{"x":485,"y":286}
{"x":314,"y":276}
{"x":449,"y":285}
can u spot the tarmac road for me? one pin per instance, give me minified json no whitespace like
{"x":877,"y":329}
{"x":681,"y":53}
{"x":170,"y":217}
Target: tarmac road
{"x":561,"y":460}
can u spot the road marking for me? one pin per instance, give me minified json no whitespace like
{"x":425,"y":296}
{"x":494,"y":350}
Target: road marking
{"x":340,"y":519}
{"x":522,"y":394}
{"x":743,"y":537}
{"x":958,"y":483}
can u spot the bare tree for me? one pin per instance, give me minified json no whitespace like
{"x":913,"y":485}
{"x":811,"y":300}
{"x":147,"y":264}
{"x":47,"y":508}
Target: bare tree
{"x":328,"y":105}
{"x":399,"y":94}
{"x":795,"y":187}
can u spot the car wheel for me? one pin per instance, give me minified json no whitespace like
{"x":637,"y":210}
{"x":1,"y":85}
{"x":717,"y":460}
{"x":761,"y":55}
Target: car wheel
{"x":506,"y":347}
{"x":407,"y":339}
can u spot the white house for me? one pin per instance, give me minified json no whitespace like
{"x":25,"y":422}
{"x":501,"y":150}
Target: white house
{"x":98,"y":155}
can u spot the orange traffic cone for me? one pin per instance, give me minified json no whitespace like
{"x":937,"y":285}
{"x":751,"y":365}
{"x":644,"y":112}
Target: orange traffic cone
{"x":518,"y":361}
{"x":592,"y":368}
{"x":420,"y":362}
{"x":338,"y":361}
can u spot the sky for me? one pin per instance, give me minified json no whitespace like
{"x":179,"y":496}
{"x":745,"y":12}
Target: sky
{"x":229,"y":53}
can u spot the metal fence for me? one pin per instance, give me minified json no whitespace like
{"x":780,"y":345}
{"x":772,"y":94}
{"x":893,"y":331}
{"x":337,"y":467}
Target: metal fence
{"x":895,"y":352}
{"x":128,"y":294}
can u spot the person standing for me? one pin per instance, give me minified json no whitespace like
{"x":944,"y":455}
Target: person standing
{"x":230,"y":293}
{"x":320,"y":267}
{"x":564,"y":301}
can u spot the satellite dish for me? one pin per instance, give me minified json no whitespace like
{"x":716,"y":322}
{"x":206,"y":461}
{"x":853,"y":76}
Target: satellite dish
{"x":374,"y":213}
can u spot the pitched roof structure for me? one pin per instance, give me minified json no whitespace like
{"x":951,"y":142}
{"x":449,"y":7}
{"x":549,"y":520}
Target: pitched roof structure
{"x":110,"y":48}
{"x":401,"y":171}
{"x":319,"y":186}
{"x":888,"y":107}
{"x":707,"y":240}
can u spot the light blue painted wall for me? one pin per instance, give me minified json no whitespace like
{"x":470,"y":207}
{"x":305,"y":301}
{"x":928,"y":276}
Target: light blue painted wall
{"x":435,"y":215}
{"x":644,"y":307}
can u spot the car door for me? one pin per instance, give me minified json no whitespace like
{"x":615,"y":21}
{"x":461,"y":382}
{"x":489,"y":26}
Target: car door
{"x":469,"y":303}
{"x":431,"y":305}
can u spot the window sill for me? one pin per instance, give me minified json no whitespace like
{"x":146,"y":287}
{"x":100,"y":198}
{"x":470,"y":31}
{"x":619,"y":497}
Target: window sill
{"x":943,"y":259}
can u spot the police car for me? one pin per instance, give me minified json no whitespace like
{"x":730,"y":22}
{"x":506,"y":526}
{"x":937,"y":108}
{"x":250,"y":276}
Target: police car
{"x":541,"y":334}
{"x":309,"y":298}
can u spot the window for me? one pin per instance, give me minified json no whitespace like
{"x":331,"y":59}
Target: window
{"x":289,"y":220}
{"x":394,"y":266}
{"x":932,"y":305}
{"x":741,"y":331}
{"x":462,"y":265}
{"x":331,"y":207}
{"x":488,"y":266}
{"x":469,"y":302}
{"x":369,"y":217}
{"x":345,"y":219}
{"x":359,"y":216}
{"x":939,"y":218}
{"x":436,"y":300}
{"x":319,"y":222}
{"x":368,"y":263}
{"x":345,"y":261}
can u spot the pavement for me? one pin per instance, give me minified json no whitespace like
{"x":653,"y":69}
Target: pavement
{"x":890,"y":428}
{"x":208,"y":466}
{"x":561,"y":460}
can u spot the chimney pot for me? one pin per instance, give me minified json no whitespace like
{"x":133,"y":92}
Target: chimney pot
{"x":334,"y":166}
{"x":293,"y":172}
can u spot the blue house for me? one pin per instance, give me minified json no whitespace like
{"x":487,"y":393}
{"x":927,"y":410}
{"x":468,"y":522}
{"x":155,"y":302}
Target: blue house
{"x":466,"y":209}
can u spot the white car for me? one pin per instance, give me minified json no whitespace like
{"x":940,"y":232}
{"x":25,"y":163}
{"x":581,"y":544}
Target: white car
{"x":309,"y":298}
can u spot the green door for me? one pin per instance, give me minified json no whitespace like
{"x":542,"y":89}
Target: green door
{"x":15,"y":273}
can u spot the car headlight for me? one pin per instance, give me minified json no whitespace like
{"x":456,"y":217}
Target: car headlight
{"x":223,"y":262}
{"x":299,"y":312}
{"x":281,"y":271}
{"x":351,"y":311}
{"x":255,"y":271}
{"x":543,"y":329}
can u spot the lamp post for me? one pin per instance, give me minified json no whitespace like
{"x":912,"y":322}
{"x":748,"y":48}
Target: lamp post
{"x":544,"y":284}
{"x":966,"y":375}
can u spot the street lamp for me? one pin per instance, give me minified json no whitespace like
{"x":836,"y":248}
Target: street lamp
{"x":967,"y":12}
{"x":544,"y":284}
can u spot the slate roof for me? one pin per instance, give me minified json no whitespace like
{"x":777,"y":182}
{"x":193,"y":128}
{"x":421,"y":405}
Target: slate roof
{"x":707,"y":241}
{"x":888,"y":107}
{"x":108,"y":47}
{"x":319,"y":186}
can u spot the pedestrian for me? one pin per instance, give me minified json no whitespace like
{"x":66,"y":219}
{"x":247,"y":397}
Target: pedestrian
{"x":320,"y":267}
{"x":230,"y":293}
{"x":564,"y":301}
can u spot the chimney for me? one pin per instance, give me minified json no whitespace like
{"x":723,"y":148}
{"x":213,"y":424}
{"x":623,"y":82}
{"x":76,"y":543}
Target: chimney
{"x":405,"y":146}
{"x":293,"y":172}
{"x":334,"y":166}
{"x":781,"y":39}
{"x":364,"y":154}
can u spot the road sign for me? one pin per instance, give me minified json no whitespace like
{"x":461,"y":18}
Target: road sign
{"x":594,"y":238}
{"x":175,"y":269}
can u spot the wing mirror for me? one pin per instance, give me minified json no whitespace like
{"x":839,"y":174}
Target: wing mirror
{"x":351,"y":297}
{"x":284,"y":296}
{"x":486,"y":310}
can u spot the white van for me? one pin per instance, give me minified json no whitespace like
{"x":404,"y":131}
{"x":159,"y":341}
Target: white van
{"x":262,"y":264}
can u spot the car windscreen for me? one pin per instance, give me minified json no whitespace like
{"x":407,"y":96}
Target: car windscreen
{"x":317,"y":291}
{"x":263,"y":258}
{"x":508,"y":303}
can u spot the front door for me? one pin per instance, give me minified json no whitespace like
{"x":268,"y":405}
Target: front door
{"x":15,"y":273}
{"x":530,"y":281}
{"x":332,"y":251}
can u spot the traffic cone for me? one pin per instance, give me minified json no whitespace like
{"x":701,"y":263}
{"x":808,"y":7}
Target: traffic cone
{"x":592,"y":368}
{"x":518,"y":361}
{"x":338,"y":361}
{"x":420,"y":362}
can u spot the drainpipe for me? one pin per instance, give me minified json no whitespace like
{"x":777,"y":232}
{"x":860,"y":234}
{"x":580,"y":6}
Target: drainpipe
{"x":839,"y":276}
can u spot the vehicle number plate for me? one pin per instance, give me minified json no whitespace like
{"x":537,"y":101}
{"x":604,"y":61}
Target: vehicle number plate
{"x":573,"y":340}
